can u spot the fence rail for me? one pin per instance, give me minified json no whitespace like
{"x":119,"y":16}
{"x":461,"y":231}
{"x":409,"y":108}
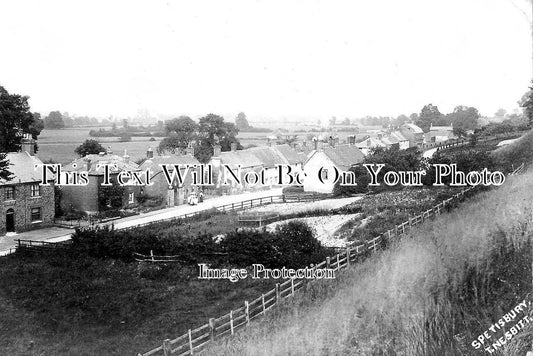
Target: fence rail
{"x":194,"y":340}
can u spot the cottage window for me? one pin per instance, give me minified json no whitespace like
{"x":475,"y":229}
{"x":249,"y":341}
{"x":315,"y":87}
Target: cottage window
{"x":35,"y":214}
{"x":10,"y":193}
{"x":35,"y":190}
{"x":131,"y":199}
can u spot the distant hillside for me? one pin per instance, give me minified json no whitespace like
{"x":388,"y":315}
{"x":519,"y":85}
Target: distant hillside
{"x":432,"y":293}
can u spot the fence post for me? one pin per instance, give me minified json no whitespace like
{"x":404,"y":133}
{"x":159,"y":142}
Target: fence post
{"x":338,"y":264}
{"x":292,"y":286}
{"x":242,"y":204}
{"x":212,"y":329}
{"x":271,"y":199}
{"x":166,"y":347}
{"x":232,"y":206}
{"x":328,"y":262}
{"x":347,"y":257}
{"x":247,"y":312}
{"x":263,"y":303}
{"x":277,"y":293}
{"x":190,"y":343}
{"x":231,"y":321}
{"x":260,"y":201}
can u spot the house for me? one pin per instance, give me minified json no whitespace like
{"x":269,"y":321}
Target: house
{"x":368,"y":144}
{"x":177,"y":192}
{"x":403,"y":142}
{"x":24,"y":203}
{"x":262,"y":160}
{"x":439,"y":134}
{"x":85,"y":198}
{"x":323,"y":163}
{"x":413,"y":133}
{"x":390,"y":142}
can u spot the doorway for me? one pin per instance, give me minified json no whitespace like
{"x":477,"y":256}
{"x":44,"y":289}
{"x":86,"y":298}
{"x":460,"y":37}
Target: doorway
{"x":10,"y":220}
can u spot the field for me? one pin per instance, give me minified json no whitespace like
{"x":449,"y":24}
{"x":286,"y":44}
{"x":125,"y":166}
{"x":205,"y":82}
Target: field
{"x":59,"y":145}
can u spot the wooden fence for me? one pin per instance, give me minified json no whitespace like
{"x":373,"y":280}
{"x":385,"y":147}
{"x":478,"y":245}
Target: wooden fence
{"x":195,"y":339}
{"x":245,"y":204}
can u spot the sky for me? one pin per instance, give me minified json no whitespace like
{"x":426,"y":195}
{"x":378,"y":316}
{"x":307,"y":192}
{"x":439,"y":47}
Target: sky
{"x":271,"y":59}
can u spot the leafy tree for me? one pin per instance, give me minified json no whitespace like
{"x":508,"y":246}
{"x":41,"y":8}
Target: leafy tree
{"x":89,"y":147}
{"x":527,"y":103}
{"x":212,"y":130}
{"x":401,"y":119}
{"x":464,"y":117}
{"x":241,"y":122}
{"x":181,"y":132}
{"x":110,"y":197}
{"x":54,"y":120}
{"x":15,"y":120}
{"x":4,"y":165}
{"x":500,"y":113}
{"x":430,"y":114}
{"x":414,"y":117}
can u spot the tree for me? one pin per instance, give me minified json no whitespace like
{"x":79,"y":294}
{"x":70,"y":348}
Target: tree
{"x":464,"y":117}
{"x":400,"y":120}
{"x":110,"y":197}
{"x":212,"y":130}
{"x":430,"y":114}
{"x":527,"y":103}
{"x":332,"y":121}
{"x":54,"y":120}
{"x":89,"y":147}
{"x":5,"y":174}
{"x":500,"y":113}
{"x":15,"y":120}
{"x":346,"y":121}
{"x":241,"y":122}
{"x":181,"y":132}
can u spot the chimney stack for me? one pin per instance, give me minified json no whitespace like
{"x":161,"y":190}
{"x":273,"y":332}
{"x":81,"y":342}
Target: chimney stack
{"x":331,"y":141}
{"x":189,"y":150}
{"x":315,"y":140}
{"x":233,"y":146}
{"x":89,"y":164}
{"x":149,"y":153}
{"x":216,"y":150}
{"x":28,"y":144}
{"x":351,"y":139}
{"x":126,"y":157}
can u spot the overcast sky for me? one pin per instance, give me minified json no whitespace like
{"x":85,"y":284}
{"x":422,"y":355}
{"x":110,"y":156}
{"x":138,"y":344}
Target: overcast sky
{"x":268,"y":58}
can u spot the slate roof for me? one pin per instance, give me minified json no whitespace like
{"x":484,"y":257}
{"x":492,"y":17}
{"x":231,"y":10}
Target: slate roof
{"x":266,"y":156}
{"x":21,"y":165}
{"x":414,"y":128}
{"x":399,"y":136}
{"x":370,"y":142}
{"x":344,"y":156}
{"x":291,"y":155}
{"x":389,"y":140}
{"x":154,"y":162}
{"x":117,"y":164}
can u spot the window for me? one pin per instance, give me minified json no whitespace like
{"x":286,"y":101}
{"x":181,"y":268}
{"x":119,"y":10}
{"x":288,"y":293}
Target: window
{"x":35,"y":190}
{"x":35,"y":214}
{"x":324,"y":174}
{"x":131,"y":199}
{"x":10,"y":193}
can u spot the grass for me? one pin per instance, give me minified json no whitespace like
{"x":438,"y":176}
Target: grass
{"x":455,"y":275}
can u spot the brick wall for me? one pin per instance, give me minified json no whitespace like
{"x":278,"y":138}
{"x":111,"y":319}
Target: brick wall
{"x":22,"y":205}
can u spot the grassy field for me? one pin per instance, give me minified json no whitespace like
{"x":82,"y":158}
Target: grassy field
{"x":456,"y":275}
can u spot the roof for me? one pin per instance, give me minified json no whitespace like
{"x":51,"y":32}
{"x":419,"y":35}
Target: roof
{"x":441,"y":128}
{"x":291,"y":155}
{"x":370,"y":142}
{"x":343,"y":156}
{"x":398,"y":135}
{"x":92,"y":162}
{"x":244,"y":158}
{"x":154,"y":162}
{"x":22,"y":167}
{"x":413,"y":128}
{"x":389,"y":140}
{"x":268,"y":156}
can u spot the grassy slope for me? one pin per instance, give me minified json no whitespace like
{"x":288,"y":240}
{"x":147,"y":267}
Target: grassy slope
{"x":380,"y":307}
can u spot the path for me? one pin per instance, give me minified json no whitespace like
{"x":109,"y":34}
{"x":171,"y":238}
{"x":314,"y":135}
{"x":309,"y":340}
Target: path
{"x":55,"y":234}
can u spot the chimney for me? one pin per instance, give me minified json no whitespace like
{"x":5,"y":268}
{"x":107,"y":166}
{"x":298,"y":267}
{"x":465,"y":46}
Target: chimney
{"x":189,"y":150}
{"x":331,"y":141}
{"x":233,"y":146}
{"x":269,"y":142}
{"x":126,"y":158}
{"x":28,"y":144}
{"x":149,"y":153}
{"x":315,"y":140}
{"x":304,"y":143}
{"x":88,"y":162}
{"x":216,"y":150}
{"x":351,"y":140}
